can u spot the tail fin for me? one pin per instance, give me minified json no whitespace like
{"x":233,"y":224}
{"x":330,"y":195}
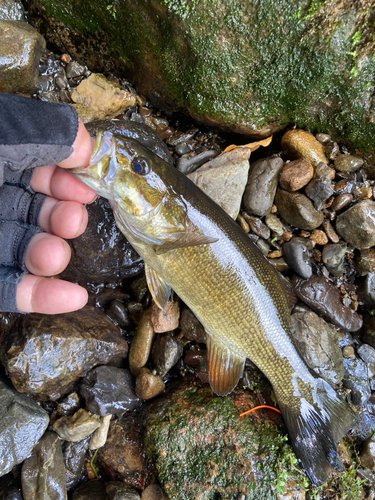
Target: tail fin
{"x":315,"y":426}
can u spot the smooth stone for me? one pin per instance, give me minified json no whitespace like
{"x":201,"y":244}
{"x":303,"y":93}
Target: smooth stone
{"x":296,"y":255}
{"x":323,"y":170}
{"x":165,"y":320}
{"x":94,"y":489}
{"x":148,"y":385}
{"x":224,"y":179}
{"x":99,"y":437}
{"x":325,"y":299}
{"x":69,"y":405}
{"x":74,"y":459}
{"x":318,"y":344}
{"x":275,"y":224}
{"x":365,"y":262}
{"x":153,"y":492}
{"x":297,"y":210}
{"x":61,"y":82}
{"x":319,"y":190}
{"x":165,"y":353}
{"x":74,"y":69}
{"x":341,"y":201}
{"x":301,"y":144}
{"x":356,"y":379}
{"x":357,"y":224}
{"x":348,"y":352}
{"x":46,"y":354}
{"x":257,"y":226}
{"x":263,"y":246}
{"x":191,"y":328}
{"x":262,"y":184}
{"x":22,"y":424}
{"x":296,"y":174}
{"x":367,"y":354}
{"x":123,"y":453}
{"x":43,"y":474}
{"x":333,"y":257}
{"x":319,"y":237}
{"x":367,"y":455}
{"x":189,"y":163}
{"x":366,"y":291}
{"x":77,"y":427}
{"x":347,"y":163}
{"x":117,"y":490}
{"x":108,"y":390}
{"x":182,"y":149}
{"x":118,"y":312}
{"x":196,"y":358}
{"x":20,"y":49}
{"x":141,"y":343}
{"x":136,"y":311}
{"x":139,"y":288}
{"x":330,"y":232}
{"x":323,"y":138}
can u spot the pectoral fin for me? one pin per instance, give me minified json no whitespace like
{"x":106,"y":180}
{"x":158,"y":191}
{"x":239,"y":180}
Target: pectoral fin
{"x":224,"y":367}
{"x":182,"y":240}
{"x":160,"y":290}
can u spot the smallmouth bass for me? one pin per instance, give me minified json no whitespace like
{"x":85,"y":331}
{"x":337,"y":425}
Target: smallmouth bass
{"x":191,"y":246}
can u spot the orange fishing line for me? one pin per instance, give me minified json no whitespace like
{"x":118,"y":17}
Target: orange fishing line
{"x":257,"y":408}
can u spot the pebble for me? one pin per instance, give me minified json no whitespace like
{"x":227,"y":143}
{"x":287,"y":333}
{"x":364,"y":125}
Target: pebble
{"x":347,"y":163}
{"x":330,"y":232}
{"x":356,"y":379}
{"x":190,"y":162}
{"x":297,"y":210}
{"x":74,"y":69}
{"x":333,"y":257}
{"x":261,"y":185}
{"x":139,"y":288}
{"x":99,"y":437}
{"x":74,"y":459}
{"x":165,"y":353}
{"x":136,"y":311}
{"x":367,"y":455}
{"x":345,"y":187}
{"x":301,"y":144}
{"x":357,"y":224}
{"x":332,"y":150}
{"x":296,"y":255}
{"x":191,"y":328}
{"x":348,"y":352}
{"x":365,"y":262}
{"x":296,"y":174}
{"x":153,"y":492}
{"x":141,"y":343}
{"x":287,"y":235}
{"x":148,"y":385}
{"x":323,"y":138}
{"x":182,"y":148}
{"x":118,"y":312}
{"x":341,"y":201}
{"x":165,"y":320}
{"x":323,"y":170}
{"x":180,"y":137}
{"x":257,"y":226}
{"x":319,"y":237}
{"x":367,"y":354}
{"x":69,"y":404}
{"x":263,"y":246}
{"x":325,"y":299}
{"x":280,"y":265}
{"x":244,"y":225}
{"x":108,"y":390}
{"x":77,"y":427}
{"x":366,"y":291}
{"x":319,"y":190}
{"x":117,"y":490}
{"x":274,"y":223}
{"x":275,"y":254}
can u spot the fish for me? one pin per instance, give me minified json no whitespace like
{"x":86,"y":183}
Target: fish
{"x":192,"y":247}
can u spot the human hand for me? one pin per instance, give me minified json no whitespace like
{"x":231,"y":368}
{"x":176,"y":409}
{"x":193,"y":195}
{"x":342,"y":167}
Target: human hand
{"x":62,"y":216}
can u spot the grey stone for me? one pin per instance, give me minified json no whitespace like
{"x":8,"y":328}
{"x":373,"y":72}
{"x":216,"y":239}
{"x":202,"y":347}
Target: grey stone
{"x":109,"y":390}
{"x":296,"y":209}
{"x":365,"y":262}
{"x":357,"y":224}
{"x":296,"y":255}
{"x":182,"y":148}
{"x":275,"y":224}
{"x":22,"y":424}
{"x":189,"y":163}
{"x":366,"y":291}
{"x":11,"y":10}
{"x":165,"y":353}
{"x":262,"y":184}
{"x":319,"y":190}
{"x":367,"y":354}
{"x":333,"y":257}
{"x":74,"y":459}
{"x":191,"y":328}
{"x":77,"y":427}
{"x":348,"y":163}
{"x":356,"y":379}
{"x":74,"y":69}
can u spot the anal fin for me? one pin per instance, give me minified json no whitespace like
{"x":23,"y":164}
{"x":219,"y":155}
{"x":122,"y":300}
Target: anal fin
{"x":159,"y":289}
{"x":224,"y":367}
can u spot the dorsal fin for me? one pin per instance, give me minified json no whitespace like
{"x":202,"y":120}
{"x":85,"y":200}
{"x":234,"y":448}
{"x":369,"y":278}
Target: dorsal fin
{"x":159,"y":289}
{"x":224,"y":367}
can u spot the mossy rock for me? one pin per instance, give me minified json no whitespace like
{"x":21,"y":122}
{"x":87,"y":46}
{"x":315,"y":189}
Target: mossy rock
{"x":243,"y":65}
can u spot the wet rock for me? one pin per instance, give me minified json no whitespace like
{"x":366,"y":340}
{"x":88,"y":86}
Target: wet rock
{"x":263,"y":246}
{"x":165,"y":353}
{"x":45,"y":355}
{"x":323,"y":138}
{"x":318,"y":345}
{"x":319,"y":190}
{"x":78,"y":427}
{"x":90,"y":490}
{"x":357,"y":224}
{"x":348,"y":352}
{"x":356,"y":379}
{"x":330,"y":232}
{"x":242,"y":222}
{"x":274,"y":223}
{"x":182,"y":149}
{"x":365,"y":262}
{"x":99,"y":437}
{"x":153,"y":492}
{"x":96,"y":98}
{"x":325,"y":300}
{"x":332,"y":150}
{"x":124,"y":455}
{"x":119,"y":491}
{"x":333,"y":257}
{"x":301,"y":144}
{"x":43,"y":474}
{"x":141,"y":343}
{"x":367,"y":455}
{"x":20,"y":416}
{"x":296,"y":209}
{"x":261,"y":185}
{"x":20,"y":49}
{"x":74,"y":69}
{"x":11,"y":10}
{"x":323,"y":170}
{"x":296,"y":174}
{"x":341,"y":201}
{"x":74,"y":459}
{"x":318,"y":237}
{"x":189,"y":163}
{"x":347,"y":163}
{"x":165,"y":320}
{"x":367,"y":354}
{"x":296,"y":255}
{"x":109,"y":390}
{"x":136,"y":311}
{"x":148,"y":385}
{"x":101,"y":254}
{"x":69,"y":404}
{"x":369,"y":334}
{"x":366,"y":291}
{"x":139,"y":288}
{"x":257,"y":226}
{"x":191,"y":328}
{"x":224,"y":179}
{"x":118,"y":312}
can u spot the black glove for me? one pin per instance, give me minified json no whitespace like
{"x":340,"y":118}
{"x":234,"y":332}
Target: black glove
{"x":32,"y":134}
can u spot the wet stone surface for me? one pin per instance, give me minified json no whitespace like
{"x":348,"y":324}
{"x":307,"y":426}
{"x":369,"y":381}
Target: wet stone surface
{"x":356,"y":379}
{"x":296,"y":253}
{"x":333,"y":257}
{"x":74,"y":459}
{"x":301,"y":144}
{"x":165,"y":353}
{"x":296,"y":209}
{"x":357,"y":225}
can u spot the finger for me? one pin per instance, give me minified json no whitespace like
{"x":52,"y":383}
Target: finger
{"x":67,"y":219}
{"x":47,"y":255}
{"x":83,"y":147}
{"x":61,"y":184}
{"x":49,"y":296}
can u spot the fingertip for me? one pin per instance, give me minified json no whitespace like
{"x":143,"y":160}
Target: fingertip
{"x":82,"y":149}
{"x":47,"y":255}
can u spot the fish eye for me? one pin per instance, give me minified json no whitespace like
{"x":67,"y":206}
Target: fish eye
{"x":139,"y":166}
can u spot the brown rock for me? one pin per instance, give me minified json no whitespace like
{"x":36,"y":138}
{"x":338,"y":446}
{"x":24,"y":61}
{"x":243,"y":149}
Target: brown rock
{"x":141,"y":343}
{"x":301,"y":144}
{"x":78,"y":427}
{"x":330,"y":232}
{"x":296,"y":209}
{"x":148,"y":385}
{"x":165,"y":321}
{"x":348,"y":352}
{"x":296,"y":174}
{"x":319,"y":237}
{"x":341,"y":201}
{"x":153,"y":492}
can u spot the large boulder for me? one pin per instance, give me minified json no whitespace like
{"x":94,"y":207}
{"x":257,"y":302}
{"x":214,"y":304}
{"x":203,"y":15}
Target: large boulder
{"x":246,"y":66}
